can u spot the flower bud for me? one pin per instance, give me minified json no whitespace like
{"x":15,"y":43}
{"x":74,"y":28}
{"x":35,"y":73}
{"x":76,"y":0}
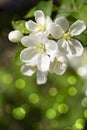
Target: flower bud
{"x":15,"y":36}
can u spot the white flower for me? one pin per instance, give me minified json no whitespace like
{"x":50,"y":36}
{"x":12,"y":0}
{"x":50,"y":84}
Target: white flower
{"x":59,"y":65}
{"x":42,"y":23}
{"x":30,"y":70}
{"x":15,"y":36}
{"x":39,"y":50}
{"x":67,"y":44}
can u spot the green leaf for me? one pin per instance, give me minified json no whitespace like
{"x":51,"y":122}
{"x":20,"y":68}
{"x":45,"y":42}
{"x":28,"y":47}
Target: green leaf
{"x":65,"y":8}
{"x":79,"y":3}
{"x":46,"y":7}
{"x":83,"y":39}
{"x":63,"y":13}
{"x":17,"y":55}
{"x":75,"y":15}
{"x":72,"y":7}
{"x":66,"y":3}
{"x":55,"y":8}
{"x":20,"y":25}
{"x":31,"y":12}
{"x":81,"y":14}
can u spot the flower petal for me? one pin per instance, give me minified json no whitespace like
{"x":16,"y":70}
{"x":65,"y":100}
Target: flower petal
{"x":39,"y":17}
{"x":26,"y":70}
{"x":63,"y":22}
{"x":28,"y":54}
{"x":77,"y":28}
{"x":30,"y":41}
{"x":41,"y":77}
{"x":47,"y":25}
{"x":51,"y":68}
{"x":48,"y":21}
{"x":59,"y":65}
{"x":32,"y":63}
{"x":31,"y":26}
{"x":51,"y":49}
{"x":75,"y":47}
{"x":63,"y":46}
{"x":43,"y":62}
{"x":56,"y":31}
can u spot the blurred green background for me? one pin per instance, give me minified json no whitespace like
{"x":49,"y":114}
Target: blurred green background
{"x":60,"y":104}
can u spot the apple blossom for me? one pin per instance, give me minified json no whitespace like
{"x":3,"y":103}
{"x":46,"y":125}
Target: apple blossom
{"x":40,"y":49}
{"x":42,"y":23}
{"x":64,"y":33}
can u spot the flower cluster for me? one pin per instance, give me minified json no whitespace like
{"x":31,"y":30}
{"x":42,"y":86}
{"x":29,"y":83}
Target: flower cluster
{"x":49,"y":45}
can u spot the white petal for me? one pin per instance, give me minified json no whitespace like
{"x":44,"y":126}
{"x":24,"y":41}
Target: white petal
{"x":52,"y":66}
{"x":76,"y":47}
{"x":32,"y":63}
{"x":46,"y":32}
{"x":62,"y":65}
{"x":26,"y":70}
{"x":31,"y":26}
{"x":41,"y":77}
{"x":77,"y":28}
{"x":39,"y":17}
{"x":43,"y":62}
{"x":47,"y":25}
{"x":30,"y":41}
{"x":56,"y":31}
{"x":28,"y":54}
{"x":63,"y":46}
{"x":63,"y":22}
{"x":59,"y":65}
{"x":48,"y":21}
{"x":51,"y":48}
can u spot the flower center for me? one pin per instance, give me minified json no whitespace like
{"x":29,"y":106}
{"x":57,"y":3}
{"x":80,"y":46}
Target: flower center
{"x":41,"y":27}
{"x":67,"y":36}
{"x":58,"y":62}
{"x":34,"y":68}
{"x":41,"y":48}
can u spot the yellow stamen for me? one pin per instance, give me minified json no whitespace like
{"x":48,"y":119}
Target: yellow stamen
{"x":41,"y":48}
{"x":41,"y":27}
{"x":67,"y":36}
